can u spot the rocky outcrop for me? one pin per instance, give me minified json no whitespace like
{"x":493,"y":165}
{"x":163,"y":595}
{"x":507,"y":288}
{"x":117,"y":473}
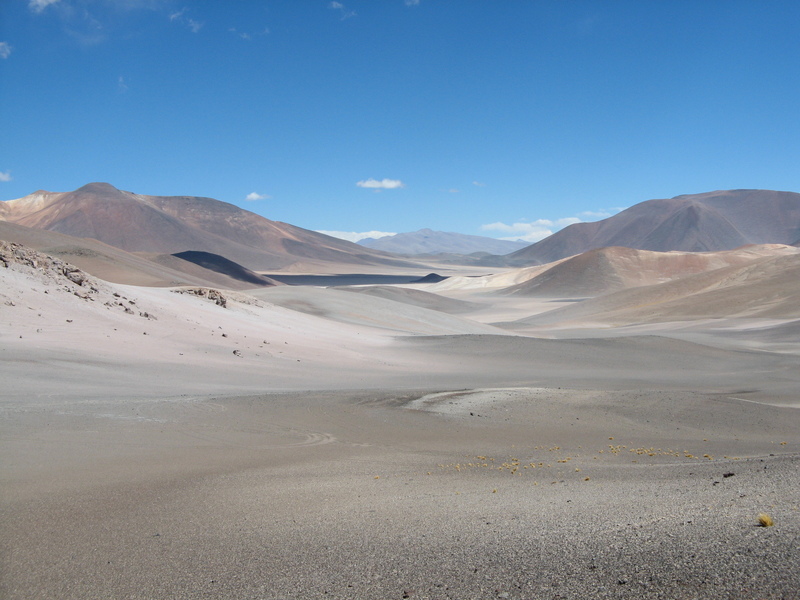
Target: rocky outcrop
{"x":49,"y":266}
{"x":61,"y":276}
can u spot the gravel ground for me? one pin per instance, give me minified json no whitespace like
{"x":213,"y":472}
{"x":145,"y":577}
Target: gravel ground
{"x":356,"y":496}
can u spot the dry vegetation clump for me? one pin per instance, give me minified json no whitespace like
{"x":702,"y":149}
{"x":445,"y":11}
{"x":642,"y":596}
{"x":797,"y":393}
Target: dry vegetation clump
{"x":764,"y":520}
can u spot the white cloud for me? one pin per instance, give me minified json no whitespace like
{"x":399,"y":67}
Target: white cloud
{"x":602,"y":213}
{"x":354,"y":236}
{"x":478,"y":184}
{"x":453,"y":190}
{"x":5,"y":50}
{"x":533,"y":231}
{"x":5,"y":176}
{"x":383,"y":184}
{"x":595,"y":214}
{"x":254,"y":197}
{"x":346,"y":14}
{"x":180,"y":17}
{"x":530,"y":231}
{"x":121,"y":85}
{"x":39,"y":5}
{"x":248,"y":36}
{"x":412,"y":2}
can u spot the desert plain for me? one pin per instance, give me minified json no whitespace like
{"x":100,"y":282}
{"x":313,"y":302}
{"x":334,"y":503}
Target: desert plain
{"x":461,"y":439}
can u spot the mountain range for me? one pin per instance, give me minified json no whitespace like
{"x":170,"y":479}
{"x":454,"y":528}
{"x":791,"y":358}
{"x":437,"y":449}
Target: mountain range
{"x":174,"y":224}
{"x":429,"y":242}
{"x":174,"y":240}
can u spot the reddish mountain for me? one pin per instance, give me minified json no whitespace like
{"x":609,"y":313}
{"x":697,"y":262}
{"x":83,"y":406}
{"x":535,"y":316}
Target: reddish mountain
{"x":714,"y":221}
{"x":172,"y":224}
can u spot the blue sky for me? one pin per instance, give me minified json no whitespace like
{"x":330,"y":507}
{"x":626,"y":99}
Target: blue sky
{"x":493,"y":117}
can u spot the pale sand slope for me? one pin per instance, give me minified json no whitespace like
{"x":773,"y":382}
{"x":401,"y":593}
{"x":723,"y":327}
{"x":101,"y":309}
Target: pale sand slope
{"x":62,"y":338}
{"x":129,"y":469}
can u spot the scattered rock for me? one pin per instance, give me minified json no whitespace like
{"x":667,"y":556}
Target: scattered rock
{"x":74,"y":274}
{"x":210,"y":293}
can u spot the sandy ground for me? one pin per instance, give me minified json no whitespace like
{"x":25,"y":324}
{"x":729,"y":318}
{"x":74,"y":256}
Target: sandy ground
{"x":326,"y":444}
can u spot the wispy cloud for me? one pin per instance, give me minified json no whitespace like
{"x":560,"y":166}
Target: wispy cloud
{"x":38,"y":6}
{"x":412,"y":2}
{"x":248,"y":36}
{"x":180,"y":17}
{"x":122,"y":86}
{"x":603,"y":213}
{"x":533,"y":231}
{"x":5,"y":176}
{"x":478,"y":184}
{"x":355,"y":236}
{"x":92,"y":22}
{"x":383,"y":184}
{"x":255,"y":197}
{"x":343,"y":11}
{"x":530,"y":231}
{"x":5,"y":50}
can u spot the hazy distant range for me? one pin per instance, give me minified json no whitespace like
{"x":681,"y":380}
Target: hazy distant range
{"x":427,"y":241}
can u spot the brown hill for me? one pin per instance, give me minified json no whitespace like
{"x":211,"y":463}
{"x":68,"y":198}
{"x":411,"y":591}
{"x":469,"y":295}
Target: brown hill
{"x":721,"y":220}
{"x":172,"y":224}
{"x":767,"y":287}
{"x":117,"y":266}
{"x":606,"y":270}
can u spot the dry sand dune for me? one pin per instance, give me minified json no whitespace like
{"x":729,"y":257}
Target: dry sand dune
{"x":610,"y":269}
{"x":767,"y":287}
{"x":607,"y":269}
{"x":489,"y":282}
{"x":321,"y":443}
{"x":371,"y":311}
{"x":417,"y":297}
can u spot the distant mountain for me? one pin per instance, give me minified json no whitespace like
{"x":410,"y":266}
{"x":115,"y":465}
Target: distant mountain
{"x":173,"y":224}
{"x":721,"y":220}
{"x":427,"y":241}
